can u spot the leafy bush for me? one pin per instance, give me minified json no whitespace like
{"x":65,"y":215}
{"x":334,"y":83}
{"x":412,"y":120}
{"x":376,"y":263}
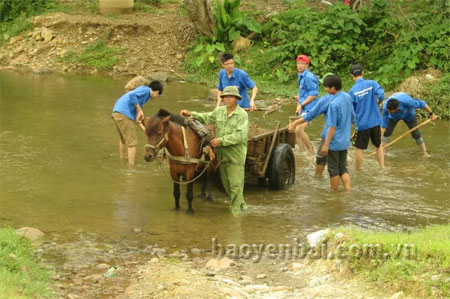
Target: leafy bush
{"x":230,"y":24}
{"x":390,"y":40}
{"x":11,"y":9}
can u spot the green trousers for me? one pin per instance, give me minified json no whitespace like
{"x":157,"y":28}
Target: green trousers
{"x":232,"y":176}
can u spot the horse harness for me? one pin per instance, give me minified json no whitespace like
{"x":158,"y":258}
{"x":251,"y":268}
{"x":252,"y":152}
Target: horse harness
{"x":186,"y":159}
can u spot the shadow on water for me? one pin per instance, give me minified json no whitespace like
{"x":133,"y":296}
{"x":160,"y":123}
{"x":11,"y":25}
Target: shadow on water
{"x":61,"y":174}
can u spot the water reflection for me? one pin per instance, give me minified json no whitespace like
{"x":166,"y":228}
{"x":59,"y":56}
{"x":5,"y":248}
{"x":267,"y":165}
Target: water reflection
{"x":60,"y":172}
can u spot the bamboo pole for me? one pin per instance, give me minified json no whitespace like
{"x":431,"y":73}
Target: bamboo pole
{"x":401,"y":136}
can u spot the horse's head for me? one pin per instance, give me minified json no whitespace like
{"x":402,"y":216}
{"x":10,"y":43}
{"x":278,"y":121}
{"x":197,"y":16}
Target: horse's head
{"x":156,"y":130}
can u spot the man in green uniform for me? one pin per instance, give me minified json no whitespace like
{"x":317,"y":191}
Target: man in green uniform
{"x":231,"y":123}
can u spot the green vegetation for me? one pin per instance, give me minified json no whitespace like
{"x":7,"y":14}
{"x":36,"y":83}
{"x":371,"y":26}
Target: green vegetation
{"x":20,"y":276}
{"x":97,"y":55}
{"x":422,"y":271}
{"x":391,"y":39}
{"x":14,"y":16}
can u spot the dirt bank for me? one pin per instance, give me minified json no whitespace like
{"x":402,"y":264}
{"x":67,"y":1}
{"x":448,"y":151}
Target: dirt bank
{"x":144,"y":44}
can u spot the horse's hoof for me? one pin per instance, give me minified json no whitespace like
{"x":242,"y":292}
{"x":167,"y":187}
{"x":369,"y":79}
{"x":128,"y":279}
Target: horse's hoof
{"x":191,"y":212}
{"x":202,"y":195}
{"x":209,"y":198}
{"x":176,"y":208}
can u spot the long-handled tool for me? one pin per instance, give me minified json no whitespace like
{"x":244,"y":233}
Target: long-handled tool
{"x":403,"y":135}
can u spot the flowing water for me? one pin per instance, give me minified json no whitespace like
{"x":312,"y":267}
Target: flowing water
{"x":60,"y":172}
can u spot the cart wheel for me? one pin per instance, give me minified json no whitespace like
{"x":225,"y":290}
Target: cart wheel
{"x":281,"y":171}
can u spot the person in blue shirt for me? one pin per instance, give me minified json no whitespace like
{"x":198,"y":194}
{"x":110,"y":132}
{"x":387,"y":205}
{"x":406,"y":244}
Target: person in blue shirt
{"x":400,"y":106}
{"x":364,"y":96}
{"x":127,"y":111}
{"x":231,"y":76}
{"x":340,"y":116}
{"x":308,"y":90}
{"x":320,"y":108}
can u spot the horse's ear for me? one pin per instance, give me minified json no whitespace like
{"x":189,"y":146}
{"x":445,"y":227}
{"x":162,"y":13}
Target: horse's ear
{"x":163,"y":113}
{"x":166,"y":119}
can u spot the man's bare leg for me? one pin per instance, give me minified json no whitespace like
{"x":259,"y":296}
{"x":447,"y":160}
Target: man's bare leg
{"x":346,"y":181}
{"x":122,"y":150}
{"x":358,"y":158}
{"x":131,"y":155}
{"x":424,"y":150}
{"x":301,"y":135}
{"x":380,"y":156}
{"x":319,"y":170}
{"x":334,"y":182}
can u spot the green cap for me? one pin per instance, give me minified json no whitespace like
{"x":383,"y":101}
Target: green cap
{"x":324,"y":76}
{"x":230,"y":91}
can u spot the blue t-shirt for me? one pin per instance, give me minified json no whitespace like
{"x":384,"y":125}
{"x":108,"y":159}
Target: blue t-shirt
{"x":364,"y":94}
{"x":340,"y":115}
{"x":320,"y":108}
{"x":308,"y":85}
{"x":241,"y":80}
{"x":407,"y":108}
{"x":125,"y":104}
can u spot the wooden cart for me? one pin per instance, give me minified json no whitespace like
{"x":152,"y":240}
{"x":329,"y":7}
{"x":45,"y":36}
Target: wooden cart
{"x":270,"y":157}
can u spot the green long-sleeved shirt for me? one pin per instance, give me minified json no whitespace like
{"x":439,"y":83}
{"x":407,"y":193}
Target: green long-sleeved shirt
{"x":231,"y":130}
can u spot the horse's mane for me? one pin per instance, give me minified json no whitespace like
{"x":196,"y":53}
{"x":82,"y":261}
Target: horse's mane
{"x":153,"y":122}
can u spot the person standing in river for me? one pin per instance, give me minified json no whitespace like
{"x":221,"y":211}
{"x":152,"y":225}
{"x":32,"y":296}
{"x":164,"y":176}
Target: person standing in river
{"x":231,"y":123}
{"x":340,"y":116}
{"x":401,"y":106}
{"x":231,"y":76}
{"x":320,"y":108}
{"x":368,"y":120}
{"x":127,"y":111}
{"x":308,"y":91}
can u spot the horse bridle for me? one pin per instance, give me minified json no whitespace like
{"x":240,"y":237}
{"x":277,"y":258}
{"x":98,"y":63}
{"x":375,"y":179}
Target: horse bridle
{"x":157,"y":147}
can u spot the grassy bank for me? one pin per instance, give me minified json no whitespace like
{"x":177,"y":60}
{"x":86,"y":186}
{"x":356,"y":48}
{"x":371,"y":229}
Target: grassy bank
{"x":20,"y":276}
{"x":417,"y":263}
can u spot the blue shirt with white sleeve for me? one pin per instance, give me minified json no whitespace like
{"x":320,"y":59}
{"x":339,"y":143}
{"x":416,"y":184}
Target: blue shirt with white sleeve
{"x":241,"y":80}
{"x":308,"y":85}
{"x":125,"y":104}
{"x":364,"y":96}
{"x":340,"y":115}
{"x":406,"y":110}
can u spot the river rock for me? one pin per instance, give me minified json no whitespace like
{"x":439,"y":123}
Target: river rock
{"x":18,"y":50}
{"x":213,"y":94}
{"x":136,"y":82}
{"x":260,"y":276}
{"x":29,"y":232}
{"x":161,"y":76}
{"x":315,"y":238}
{"x":46,"y":34}
{"x":218,"y":264}
{"x":102,"y":266}
{"x":196,"y":251}
{"x":241,"y":43}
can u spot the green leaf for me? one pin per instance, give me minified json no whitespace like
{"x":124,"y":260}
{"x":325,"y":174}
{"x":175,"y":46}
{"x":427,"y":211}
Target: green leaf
{"x":220,"y":47}
{"x":233,"y":34}
{"x":198,"y":48}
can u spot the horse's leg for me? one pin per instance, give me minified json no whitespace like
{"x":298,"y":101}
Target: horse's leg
{"x":209,"y":179}
{"x":176,"y":195}
{"x":204,"y":180}
{"x":189,"y":197}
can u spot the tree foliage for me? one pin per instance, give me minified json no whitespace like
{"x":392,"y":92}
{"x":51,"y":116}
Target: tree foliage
{"x":11,"y":9}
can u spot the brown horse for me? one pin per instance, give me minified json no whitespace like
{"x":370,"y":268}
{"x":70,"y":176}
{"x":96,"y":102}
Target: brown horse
{"x":164,"y":130}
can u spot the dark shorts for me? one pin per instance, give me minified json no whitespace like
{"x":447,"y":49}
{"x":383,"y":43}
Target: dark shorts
{"x":411,"y":124}
{"x":337,"y":163}
{"x":362,"y":137}
{"x":321,"y":159}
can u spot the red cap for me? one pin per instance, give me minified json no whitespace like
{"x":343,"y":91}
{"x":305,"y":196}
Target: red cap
{"x":303,"y":58}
